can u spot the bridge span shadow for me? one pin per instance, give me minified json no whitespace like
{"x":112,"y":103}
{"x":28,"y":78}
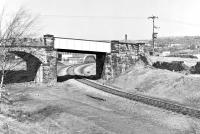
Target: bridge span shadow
{"x":21,"y":76}
{"x":67,"y":77}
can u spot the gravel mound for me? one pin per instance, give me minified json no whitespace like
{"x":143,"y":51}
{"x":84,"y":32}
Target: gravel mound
{"x":161,"y":83}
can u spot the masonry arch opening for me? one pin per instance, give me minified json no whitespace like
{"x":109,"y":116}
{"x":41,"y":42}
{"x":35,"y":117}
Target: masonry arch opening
{"x":79,"y":64}
{"x":21,"y":67}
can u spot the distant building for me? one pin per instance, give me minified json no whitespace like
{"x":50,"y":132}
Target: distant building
{"x":63,"y":56}
{"x":75,"y":60}
{"x":175,"y":45}
{"x":147,"y":44}
{"x":165,"y":53}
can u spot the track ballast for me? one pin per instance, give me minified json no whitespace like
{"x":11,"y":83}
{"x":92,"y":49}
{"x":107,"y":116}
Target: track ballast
{"x":156,"y":102}
{"x":153,"y":101}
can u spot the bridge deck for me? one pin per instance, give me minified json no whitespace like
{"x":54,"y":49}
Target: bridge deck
{"x":82,"y":45}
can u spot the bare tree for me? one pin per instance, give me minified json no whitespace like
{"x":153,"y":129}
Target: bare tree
{"x":12,"y":30}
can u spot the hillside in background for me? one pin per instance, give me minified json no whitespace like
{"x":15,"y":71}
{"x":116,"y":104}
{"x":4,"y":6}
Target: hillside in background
{"x":189,"y":41}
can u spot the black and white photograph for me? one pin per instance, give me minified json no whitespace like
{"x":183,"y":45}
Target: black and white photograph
{"x":99,"y":67}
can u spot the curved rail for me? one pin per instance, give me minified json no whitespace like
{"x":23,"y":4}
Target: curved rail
{"x":82,"y":70}
{"x":153,"y":101}
{"x":71,"y":69}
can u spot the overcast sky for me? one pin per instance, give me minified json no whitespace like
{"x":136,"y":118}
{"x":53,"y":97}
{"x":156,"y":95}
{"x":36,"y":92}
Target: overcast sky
{"x":112,"y":19}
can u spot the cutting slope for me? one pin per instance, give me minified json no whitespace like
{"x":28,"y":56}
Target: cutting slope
{"x":161,"y":83}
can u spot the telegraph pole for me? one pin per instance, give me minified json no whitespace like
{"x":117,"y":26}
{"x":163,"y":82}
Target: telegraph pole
{"x":154,"y":35}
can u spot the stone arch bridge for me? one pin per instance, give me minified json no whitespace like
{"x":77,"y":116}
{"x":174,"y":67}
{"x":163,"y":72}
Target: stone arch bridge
{"x":41,"y":57}
{"x":40,"y":64}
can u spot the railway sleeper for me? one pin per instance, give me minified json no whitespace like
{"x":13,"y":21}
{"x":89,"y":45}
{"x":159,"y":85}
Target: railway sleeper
{"x":139,"y":98}
{"x":172,"y":107}
{"x":150,"y":101}
{"x":197,"y":113}
{"x":159,"y":103}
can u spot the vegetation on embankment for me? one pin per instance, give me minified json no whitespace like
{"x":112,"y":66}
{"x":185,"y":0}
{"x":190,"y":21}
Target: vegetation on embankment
{"x":178,"y":66}
{"x":161,"y":83}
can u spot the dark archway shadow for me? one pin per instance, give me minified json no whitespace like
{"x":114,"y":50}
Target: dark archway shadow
{"x":20,"y":76}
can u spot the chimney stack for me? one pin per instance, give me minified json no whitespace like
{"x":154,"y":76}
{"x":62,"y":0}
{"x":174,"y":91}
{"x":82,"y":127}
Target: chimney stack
{"x":126,"y":37}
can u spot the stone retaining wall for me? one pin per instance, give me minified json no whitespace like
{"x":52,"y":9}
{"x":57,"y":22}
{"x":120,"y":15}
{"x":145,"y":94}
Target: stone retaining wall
{"x":123,"y":55}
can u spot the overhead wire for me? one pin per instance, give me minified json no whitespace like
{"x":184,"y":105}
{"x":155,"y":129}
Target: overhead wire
{"x":120,"y":17}
{"x":97,"y":17}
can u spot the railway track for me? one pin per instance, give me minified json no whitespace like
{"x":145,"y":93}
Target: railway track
{"x":71,"y":69}
{"x":153,"y":101}
{"x":82,"y":70}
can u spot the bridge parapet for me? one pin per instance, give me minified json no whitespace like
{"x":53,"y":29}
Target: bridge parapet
{"x":25,"y":42}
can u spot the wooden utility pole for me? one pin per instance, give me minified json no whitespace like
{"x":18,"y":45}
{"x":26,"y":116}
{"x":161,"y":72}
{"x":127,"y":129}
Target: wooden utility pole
{"x":154,"y":35}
